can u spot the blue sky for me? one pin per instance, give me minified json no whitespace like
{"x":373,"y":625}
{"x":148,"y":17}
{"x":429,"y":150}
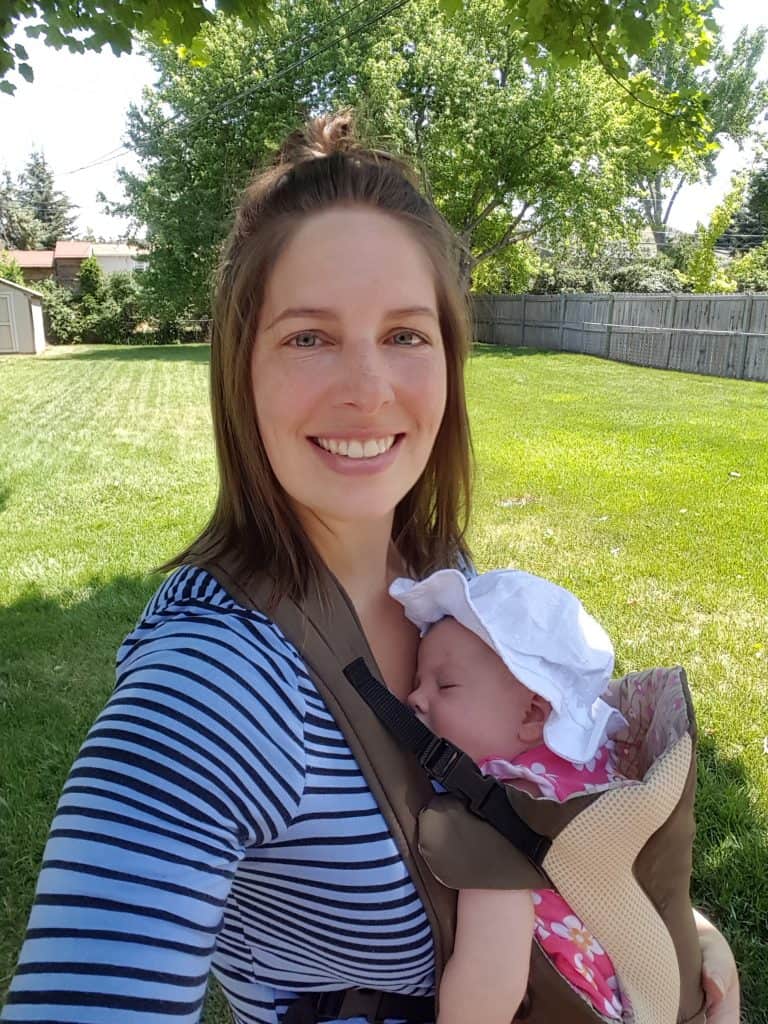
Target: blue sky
{"x":75,"y":112}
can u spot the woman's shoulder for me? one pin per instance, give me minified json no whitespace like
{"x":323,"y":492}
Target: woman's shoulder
{"x":192,"y":623}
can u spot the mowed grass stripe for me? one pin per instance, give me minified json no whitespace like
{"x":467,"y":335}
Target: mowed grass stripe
{"x":645,"y":492}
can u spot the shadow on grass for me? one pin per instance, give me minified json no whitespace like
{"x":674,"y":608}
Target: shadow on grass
{"x":56,"y":672}
{"x":197,"y":353}
{"x":5,"y":493}
{"x":730,"y":880}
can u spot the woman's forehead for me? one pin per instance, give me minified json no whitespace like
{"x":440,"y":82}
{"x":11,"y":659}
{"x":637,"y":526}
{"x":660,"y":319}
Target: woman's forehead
{"x":341,"y":255}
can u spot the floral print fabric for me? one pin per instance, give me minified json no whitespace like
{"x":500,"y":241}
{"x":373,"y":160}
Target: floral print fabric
{"x":574,"y":952}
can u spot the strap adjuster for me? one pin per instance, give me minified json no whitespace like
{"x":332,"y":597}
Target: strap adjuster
{"x":451,"y":767}
{"x":439,"y":758}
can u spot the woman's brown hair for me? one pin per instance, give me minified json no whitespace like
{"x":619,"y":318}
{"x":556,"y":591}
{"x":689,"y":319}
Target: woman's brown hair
{"x":318,"y":168}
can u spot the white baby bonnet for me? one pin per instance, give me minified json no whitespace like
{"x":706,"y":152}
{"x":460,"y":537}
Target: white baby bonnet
{"x":542,"y":634}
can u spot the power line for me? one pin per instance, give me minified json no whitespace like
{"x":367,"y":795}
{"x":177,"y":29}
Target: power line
{"x":263,"y":83}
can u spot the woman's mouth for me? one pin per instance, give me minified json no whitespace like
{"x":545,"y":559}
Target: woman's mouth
{"x":370,"y":448}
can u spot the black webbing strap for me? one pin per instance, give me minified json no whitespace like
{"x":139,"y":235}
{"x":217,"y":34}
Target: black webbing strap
{"x":444,"y":762}
{"x":376,"y":1007}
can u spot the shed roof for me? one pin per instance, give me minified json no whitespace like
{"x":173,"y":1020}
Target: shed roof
{"x":20,"y":288}
{"x":73,"y":250}
{"x":32,"y":257}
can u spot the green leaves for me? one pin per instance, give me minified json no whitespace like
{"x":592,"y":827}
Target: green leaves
{"x":622,"y":38}
{"x":33,"y":214}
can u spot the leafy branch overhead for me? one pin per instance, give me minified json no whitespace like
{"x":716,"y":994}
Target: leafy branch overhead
{"x":566,"y":31}
{"x":509,"y":152}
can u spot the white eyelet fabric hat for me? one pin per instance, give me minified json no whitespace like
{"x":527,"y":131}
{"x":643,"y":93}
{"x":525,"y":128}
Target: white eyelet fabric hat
{"x":542,"y":634}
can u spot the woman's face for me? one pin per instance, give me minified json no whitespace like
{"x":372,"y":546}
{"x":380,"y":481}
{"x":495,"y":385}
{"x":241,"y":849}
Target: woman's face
{"x":348,"y":366}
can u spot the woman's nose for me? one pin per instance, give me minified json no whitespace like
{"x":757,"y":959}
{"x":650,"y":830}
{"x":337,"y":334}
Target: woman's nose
{"x":367,"y":383}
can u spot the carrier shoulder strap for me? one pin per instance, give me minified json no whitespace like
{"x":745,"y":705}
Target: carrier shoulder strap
{"x":329,"y":637}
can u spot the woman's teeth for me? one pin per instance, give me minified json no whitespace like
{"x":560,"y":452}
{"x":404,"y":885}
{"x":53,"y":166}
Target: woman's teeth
{"x":357,"y":449}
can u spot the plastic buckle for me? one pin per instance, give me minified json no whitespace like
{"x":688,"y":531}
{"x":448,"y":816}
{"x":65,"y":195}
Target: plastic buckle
{"x":464,"y":777}
{"x":440,"y":757}
{"x":361,"y":1002}
{"x":457,"y":772}
{"x":328,"y":1004}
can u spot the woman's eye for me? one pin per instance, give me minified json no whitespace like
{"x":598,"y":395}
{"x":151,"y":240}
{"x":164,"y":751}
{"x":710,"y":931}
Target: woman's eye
{"x":406,"y":338}
{"x":307,"y":339}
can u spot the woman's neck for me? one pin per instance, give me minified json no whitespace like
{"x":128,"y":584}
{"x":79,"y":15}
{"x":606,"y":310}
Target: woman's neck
{"x":360,"y":555}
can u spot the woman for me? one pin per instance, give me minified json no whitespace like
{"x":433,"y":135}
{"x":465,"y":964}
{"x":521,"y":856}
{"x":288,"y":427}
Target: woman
{"x":215,"y":815}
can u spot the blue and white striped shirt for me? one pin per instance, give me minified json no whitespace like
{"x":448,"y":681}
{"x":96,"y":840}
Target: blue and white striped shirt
{"x":214,"y":818}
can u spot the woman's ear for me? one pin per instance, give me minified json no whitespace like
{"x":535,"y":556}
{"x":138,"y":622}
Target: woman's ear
{"x":532,"y":727}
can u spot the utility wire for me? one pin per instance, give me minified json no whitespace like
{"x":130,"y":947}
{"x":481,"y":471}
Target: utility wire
{"x":263,"y":83}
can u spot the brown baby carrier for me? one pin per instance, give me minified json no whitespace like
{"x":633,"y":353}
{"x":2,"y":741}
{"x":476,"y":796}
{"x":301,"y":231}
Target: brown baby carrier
{"x":620,"y":858}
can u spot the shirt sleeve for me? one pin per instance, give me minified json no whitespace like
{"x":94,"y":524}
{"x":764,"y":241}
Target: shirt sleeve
{"x":197,"y":756}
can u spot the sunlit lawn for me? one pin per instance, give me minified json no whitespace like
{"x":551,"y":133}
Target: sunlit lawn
{"x":646,"y":492}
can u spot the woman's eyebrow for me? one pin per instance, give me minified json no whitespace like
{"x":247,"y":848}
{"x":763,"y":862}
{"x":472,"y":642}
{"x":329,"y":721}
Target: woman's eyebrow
{"x":297,"y":312}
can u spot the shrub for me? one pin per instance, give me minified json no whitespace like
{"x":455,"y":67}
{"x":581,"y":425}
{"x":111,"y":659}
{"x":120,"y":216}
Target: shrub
{"x":509,"y":273}
{"x":655,"y":275}
{"x":92,"y":280}
{"x":750,"y":272}
{"x":63,"y":319}
{"x":123,"y":308}
{"x":569,"y":279}
{"x":10,"y":269}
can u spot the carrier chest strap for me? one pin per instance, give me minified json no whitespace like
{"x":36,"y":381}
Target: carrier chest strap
{"x":444,"y":762}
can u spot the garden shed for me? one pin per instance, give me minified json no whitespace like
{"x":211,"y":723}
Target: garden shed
{"x":21,"y":319}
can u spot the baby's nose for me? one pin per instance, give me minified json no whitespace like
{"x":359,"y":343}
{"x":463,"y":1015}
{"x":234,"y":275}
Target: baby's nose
{"x":416,"y":701}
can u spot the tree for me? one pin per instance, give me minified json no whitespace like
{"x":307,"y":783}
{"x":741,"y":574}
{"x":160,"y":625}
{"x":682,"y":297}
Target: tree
{"x":508,"y":152}
{"x":33,"y":214}
{"x":701,"y":269}
{"x":735,"y":101}
{"x":50,"y":207}
{"x":19,"y":228}
{"x":749,"y":227}
{"x":569,"y":31}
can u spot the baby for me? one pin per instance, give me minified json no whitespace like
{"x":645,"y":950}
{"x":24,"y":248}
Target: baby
{"x":511,"y":669}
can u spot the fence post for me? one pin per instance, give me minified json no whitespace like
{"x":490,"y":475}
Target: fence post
{"x":563,"y":309}
{"x":671,"y":333}
{"x":609,"y":328}
{"x":747,"y":325}
{"x":522,"y":321}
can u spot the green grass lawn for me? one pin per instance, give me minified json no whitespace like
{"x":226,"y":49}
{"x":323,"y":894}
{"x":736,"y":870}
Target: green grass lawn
{"x":645,"y":492}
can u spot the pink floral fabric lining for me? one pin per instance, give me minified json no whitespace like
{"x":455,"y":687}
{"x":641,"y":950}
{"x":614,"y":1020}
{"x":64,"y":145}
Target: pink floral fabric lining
{"x":573,"y":951}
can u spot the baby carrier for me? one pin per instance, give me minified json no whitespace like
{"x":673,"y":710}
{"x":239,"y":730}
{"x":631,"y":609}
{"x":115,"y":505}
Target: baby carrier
{"x":620,"y":858}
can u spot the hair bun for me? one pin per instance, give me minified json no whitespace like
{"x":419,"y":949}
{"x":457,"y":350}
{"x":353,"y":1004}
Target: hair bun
{"x":320,"y":137}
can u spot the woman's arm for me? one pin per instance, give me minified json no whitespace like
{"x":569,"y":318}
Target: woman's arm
{"x":486,"y":977}
{"x":719,"y":974}
{"x":197,"y":755}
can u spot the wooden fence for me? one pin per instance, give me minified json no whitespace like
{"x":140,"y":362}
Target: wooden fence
{"x":720,"y":335}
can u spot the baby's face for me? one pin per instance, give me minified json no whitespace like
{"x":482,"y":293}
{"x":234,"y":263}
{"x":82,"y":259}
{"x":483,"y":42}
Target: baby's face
{"x":465,"y":693}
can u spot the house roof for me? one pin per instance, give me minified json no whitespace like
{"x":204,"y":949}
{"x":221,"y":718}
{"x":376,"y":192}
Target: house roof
{"x":20,"y":288}
{"x":31,"y":257}
{"x":115,"y":249}
{"x":73,"y":250}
